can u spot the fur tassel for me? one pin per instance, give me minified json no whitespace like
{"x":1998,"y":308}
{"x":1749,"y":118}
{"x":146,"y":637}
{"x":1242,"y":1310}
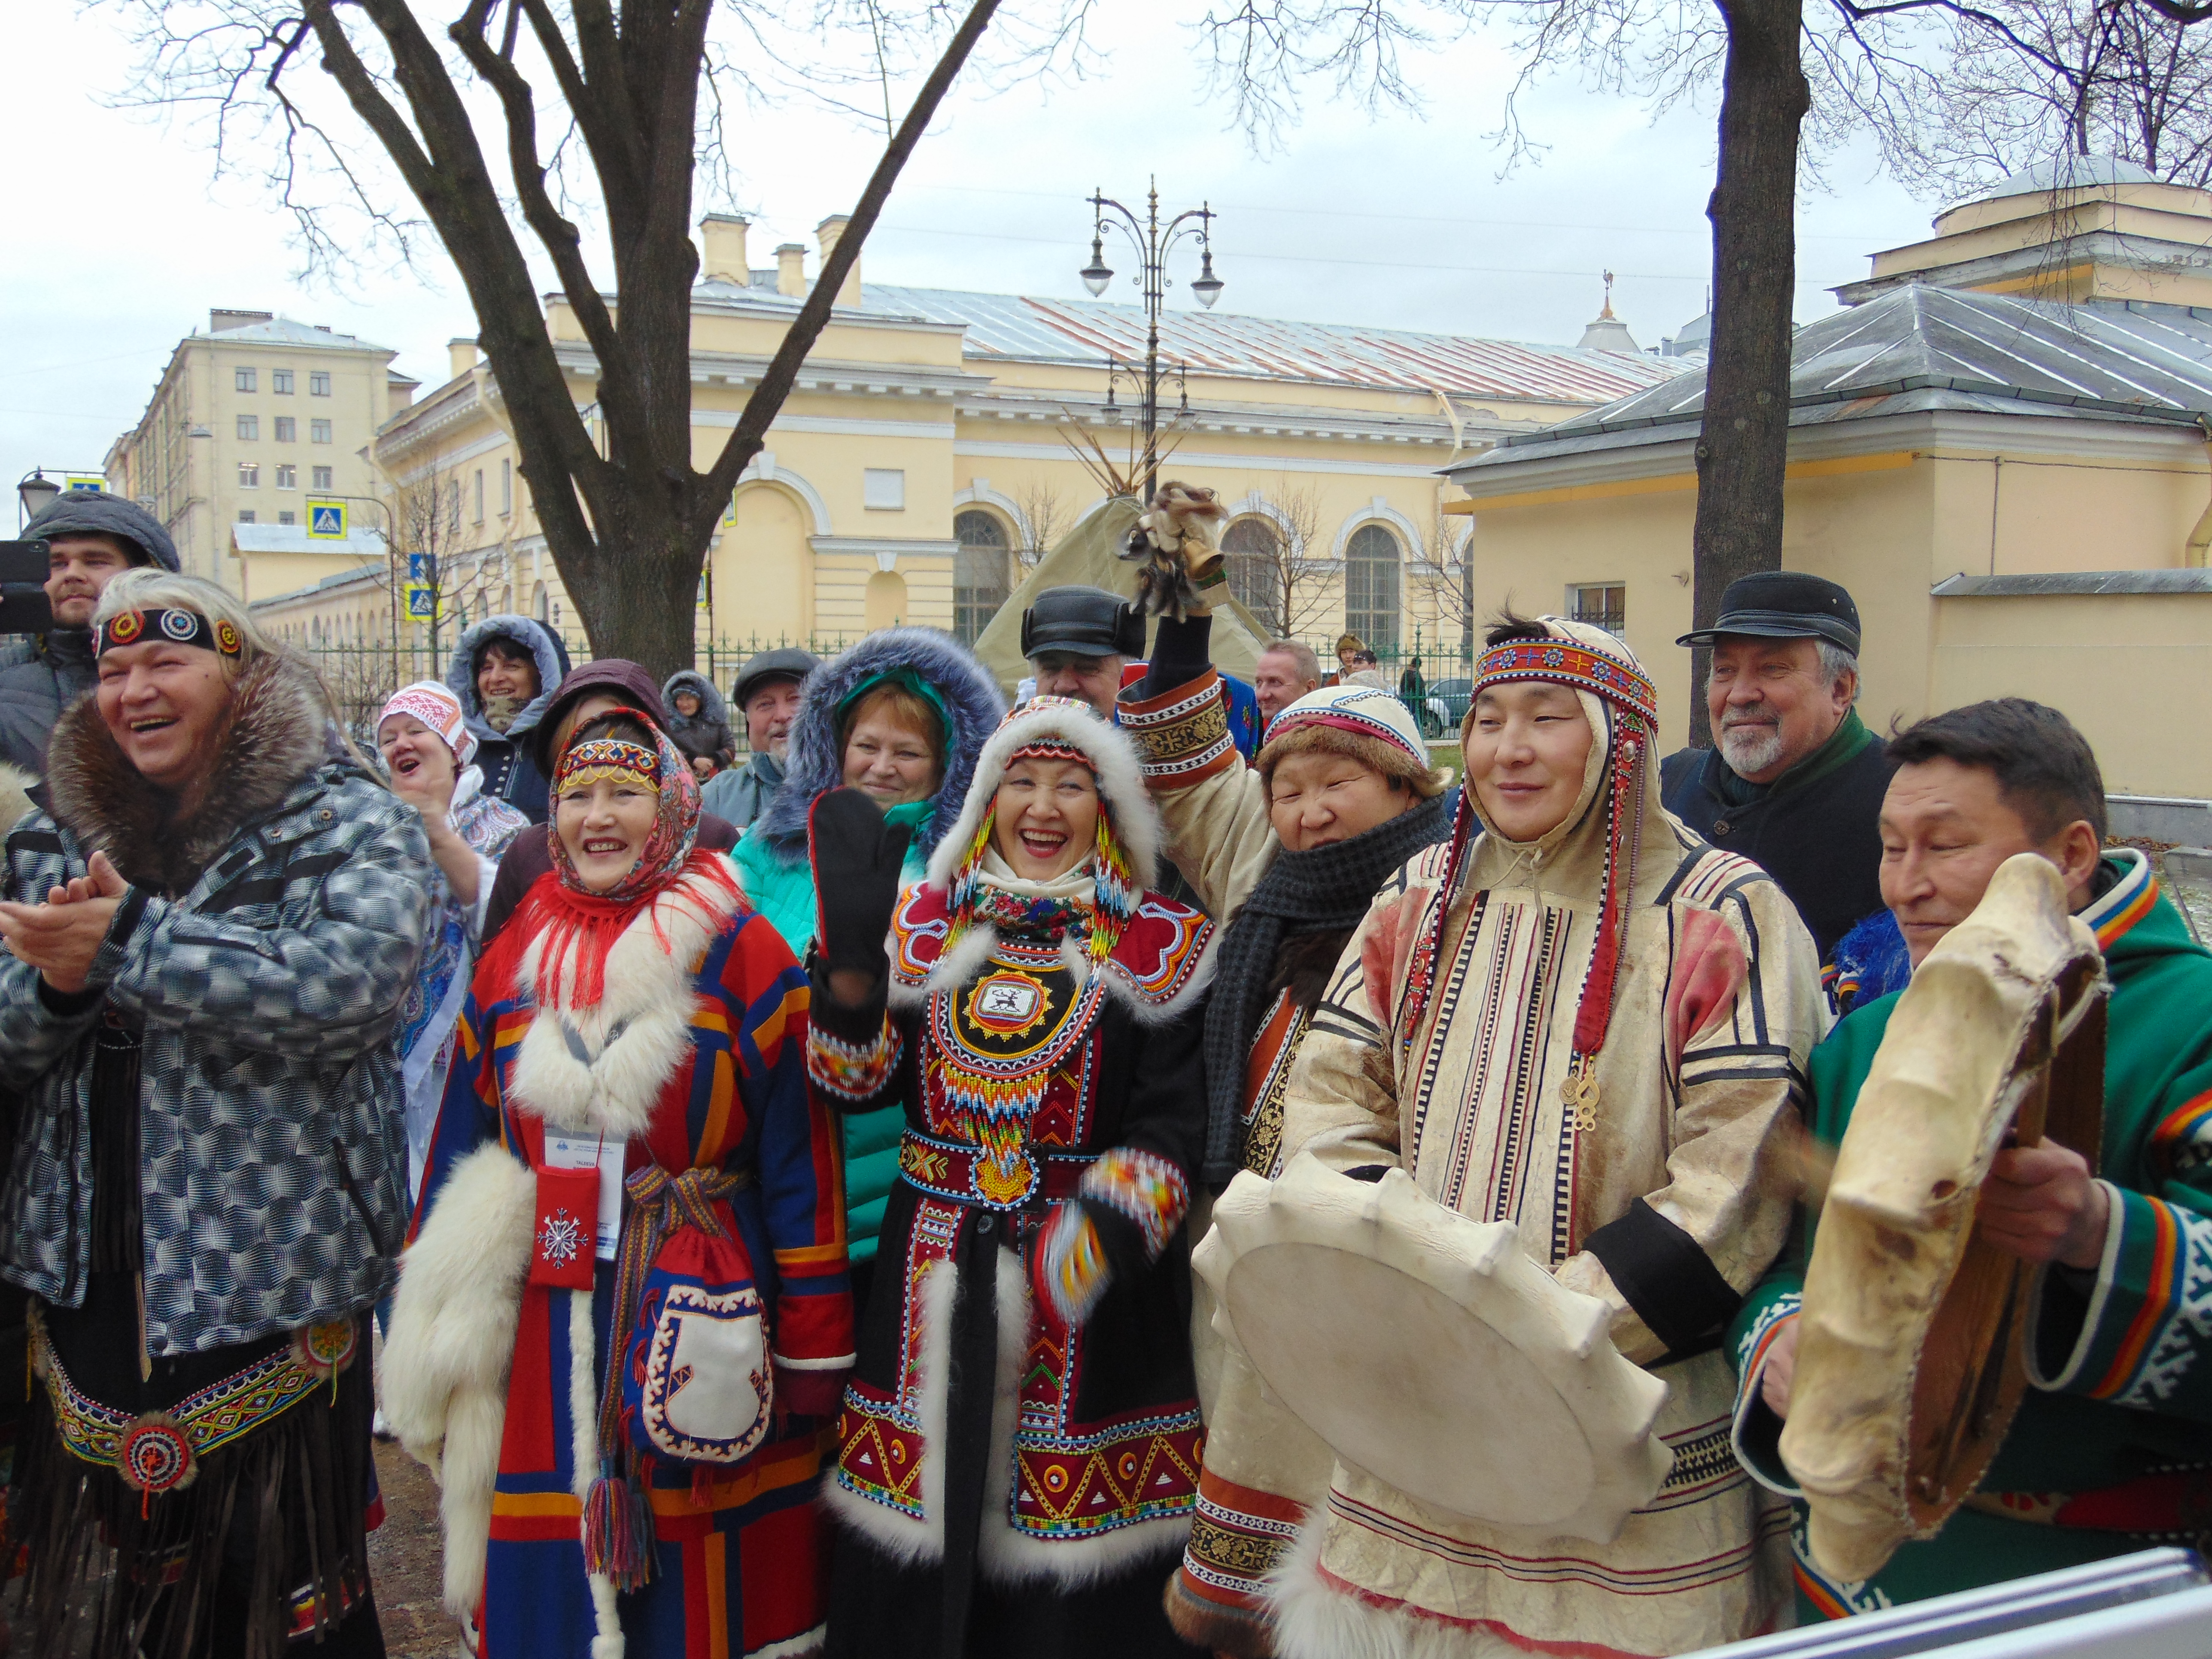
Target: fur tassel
{"x":1313,"y":1619}
{"x":1179,"y":514}
{"x":451,"y":1343}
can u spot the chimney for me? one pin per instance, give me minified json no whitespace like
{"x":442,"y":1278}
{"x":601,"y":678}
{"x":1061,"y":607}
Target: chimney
{"x":791,"y":269}
{"x":722,"y":242}
{"x":829,"y":232}
{"x":464,"y":355}
{"x":220,"y":321}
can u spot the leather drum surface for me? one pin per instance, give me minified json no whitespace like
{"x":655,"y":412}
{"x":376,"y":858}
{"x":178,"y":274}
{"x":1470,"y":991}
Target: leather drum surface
{"x":1429,"y":1351}
{"x":1911,"y":1356}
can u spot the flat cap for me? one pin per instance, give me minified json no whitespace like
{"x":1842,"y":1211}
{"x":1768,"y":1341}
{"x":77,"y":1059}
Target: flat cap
{"x":1784,"y":604}
{"x":1087,"y":620}
{"x":787,"y":662}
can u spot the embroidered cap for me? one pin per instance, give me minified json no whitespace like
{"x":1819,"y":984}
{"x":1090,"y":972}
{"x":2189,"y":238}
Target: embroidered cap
{"x":438,"y":708}
{"x":1360,"y":709}
{"x":177,"y":626}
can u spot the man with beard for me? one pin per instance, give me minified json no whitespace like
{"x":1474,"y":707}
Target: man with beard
{"x":1795,"y":780}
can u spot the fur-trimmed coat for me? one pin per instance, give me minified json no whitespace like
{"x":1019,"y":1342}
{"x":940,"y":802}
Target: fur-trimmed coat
{"x":264,"y":947}
{"x":708,"y":732}
{"x":510,"y":769}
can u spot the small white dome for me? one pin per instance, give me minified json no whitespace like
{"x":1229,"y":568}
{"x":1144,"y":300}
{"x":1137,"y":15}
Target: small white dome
{"x":2073,"y":172}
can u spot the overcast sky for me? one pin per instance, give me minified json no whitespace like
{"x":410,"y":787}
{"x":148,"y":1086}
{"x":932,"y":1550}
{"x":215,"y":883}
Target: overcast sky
{"x":119,"y":241}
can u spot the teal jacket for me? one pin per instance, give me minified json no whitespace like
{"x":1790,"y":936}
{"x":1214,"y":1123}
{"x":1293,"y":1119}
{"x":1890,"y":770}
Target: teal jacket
{"x":2122,"y":1367}
{"x":785,"y":895}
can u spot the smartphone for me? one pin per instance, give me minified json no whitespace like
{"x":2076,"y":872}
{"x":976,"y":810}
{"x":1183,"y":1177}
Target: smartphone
{"x":24,"y":607}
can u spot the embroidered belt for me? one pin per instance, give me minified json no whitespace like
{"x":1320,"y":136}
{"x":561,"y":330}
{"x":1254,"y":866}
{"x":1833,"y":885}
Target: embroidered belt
{"x":951,"y":1170}
{"x":157,"y":1452}
{"x":2175,"y":1501}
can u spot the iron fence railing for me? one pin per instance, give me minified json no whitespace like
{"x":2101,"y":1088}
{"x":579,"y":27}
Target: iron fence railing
{"x":1432,"y":680}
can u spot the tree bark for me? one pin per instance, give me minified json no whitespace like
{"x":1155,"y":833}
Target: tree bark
{"x":1743,"y":446}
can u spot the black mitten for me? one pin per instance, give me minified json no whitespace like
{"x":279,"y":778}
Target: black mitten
{"x":856,"y":858}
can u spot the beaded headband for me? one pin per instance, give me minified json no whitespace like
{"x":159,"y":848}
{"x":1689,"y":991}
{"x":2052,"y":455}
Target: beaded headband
{"x":1052,"y":748}
{"x":607,"y":760}
{"x":1562,"y":662}
{"x":176,"y":626}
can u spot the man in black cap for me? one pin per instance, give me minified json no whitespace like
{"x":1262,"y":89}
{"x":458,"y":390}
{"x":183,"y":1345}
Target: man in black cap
{"x":90,"y":537}
{"x":766,"y":692}
{"x":1795,"y":781}
{"x":1078,"y":640}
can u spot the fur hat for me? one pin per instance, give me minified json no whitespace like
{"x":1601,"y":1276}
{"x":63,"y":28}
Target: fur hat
{"x":1371,"y":726}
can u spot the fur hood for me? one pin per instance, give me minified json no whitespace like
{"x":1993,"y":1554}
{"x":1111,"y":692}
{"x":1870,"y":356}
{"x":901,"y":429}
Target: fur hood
{"x":279,"y":732}
{"x":461,"y":673}
{"x":713,"y":711}
{"x":1113,"y":759}
{"x":814,"y":764}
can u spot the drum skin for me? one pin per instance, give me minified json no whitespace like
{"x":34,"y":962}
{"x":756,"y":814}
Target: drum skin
{"x":1911,"y":1353}
{"x":1429,"y":1351}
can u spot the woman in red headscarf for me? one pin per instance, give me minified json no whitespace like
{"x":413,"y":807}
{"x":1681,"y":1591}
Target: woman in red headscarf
{"x":625,"y":1310}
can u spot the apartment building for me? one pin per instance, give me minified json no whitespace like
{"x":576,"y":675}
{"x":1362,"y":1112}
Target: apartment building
{"x":250,"y":420}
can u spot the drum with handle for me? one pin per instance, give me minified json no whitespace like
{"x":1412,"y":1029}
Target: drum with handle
{"x":1912,"y":1355}
{"x":1430,"y":1352}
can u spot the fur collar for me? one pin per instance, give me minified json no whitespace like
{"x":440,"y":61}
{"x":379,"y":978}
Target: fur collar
{"x":815,"y":764}
{"x":601,"y":1069}
{"x":276,"y":736}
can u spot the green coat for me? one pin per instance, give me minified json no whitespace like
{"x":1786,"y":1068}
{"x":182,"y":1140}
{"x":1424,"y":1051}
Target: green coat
{"x":2121,"y":1360}
{"x":785,"y":895}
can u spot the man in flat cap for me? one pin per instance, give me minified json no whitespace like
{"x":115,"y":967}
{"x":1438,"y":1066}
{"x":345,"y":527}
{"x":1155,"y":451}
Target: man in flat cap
{"x":766,"y":693}
{"x":1794,"y":781}
{"x":1078,"y":640}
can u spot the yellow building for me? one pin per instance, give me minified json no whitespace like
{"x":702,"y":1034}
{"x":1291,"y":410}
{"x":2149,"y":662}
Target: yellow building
{"x":2014,"y":487}
{"x":248,"y":420}
{"x":921,"y":461}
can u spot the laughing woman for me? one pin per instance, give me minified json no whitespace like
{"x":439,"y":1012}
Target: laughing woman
{"x":210,"y":935}
{"x":1019,"y":1445}
{"x":625,"y":1314}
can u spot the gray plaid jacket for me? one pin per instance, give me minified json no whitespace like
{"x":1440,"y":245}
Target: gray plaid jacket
{"x":272,"y":1147}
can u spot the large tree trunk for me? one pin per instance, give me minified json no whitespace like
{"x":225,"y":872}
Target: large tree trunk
{"x":1744,"y":445}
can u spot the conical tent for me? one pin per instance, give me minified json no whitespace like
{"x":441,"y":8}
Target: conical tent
{"x":1090,"y":557}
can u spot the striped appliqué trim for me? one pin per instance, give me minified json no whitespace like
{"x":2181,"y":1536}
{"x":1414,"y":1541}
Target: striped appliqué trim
{"x":1186,"y":741}
{"x":2161,"y":1341}
{"x":2182,"y":1142}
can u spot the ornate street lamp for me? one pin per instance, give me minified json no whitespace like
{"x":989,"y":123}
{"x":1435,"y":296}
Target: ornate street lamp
{"x":1153,"y":241}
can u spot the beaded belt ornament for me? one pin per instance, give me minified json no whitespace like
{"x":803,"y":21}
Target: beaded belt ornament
{"x":954,"y":1172}
{"x":156,"y":1452}
{"x":175,"y":626}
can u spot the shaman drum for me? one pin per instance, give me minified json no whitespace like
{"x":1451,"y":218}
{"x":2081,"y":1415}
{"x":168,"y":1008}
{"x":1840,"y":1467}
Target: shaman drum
{"x":1912,"y":1355}
{"x":1429,"y":1351}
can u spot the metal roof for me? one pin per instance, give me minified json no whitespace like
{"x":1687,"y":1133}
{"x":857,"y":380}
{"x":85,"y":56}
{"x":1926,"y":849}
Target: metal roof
{"x":1088,"y":332}
{"x":1921,"y":348}
{"x":283,"y":330}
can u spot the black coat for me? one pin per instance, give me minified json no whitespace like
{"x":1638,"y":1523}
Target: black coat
{"x":41,"y":675}
{"x":1819,"y":840}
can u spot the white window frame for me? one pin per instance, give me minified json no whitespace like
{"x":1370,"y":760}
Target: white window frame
{"x":318,"y":432}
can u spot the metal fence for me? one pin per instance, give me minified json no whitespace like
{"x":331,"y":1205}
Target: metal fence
{"x":1432,"y":679}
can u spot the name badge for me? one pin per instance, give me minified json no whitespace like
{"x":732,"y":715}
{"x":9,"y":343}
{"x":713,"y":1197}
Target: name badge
{"x":595,"y":1151}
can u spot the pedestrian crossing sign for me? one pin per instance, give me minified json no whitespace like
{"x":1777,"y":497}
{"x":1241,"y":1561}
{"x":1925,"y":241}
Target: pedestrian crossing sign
{"x":87,"y":481}
{"x":421,"y":602}
{"x":326,"y":521}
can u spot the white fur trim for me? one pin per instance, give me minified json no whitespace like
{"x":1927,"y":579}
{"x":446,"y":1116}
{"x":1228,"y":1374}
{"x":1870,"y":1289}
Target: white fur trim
{"x":1313,"y":1620}
{"x":1007,"y":1556}
{"x":796,"y":1647}
{"x":647,"y":1006}
{"x":1003,"y":1555}
{"x":584,"y":1453}
{"x":451,"y":1345}
{"x":1113,"y":758}
{"x":901,"y":1537}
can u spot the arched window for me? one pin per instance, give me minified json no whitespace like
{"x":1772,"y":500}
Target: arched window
{"x":538,"y":604}
{"x":1251,"y":549}
{"x":506,"y":597}
{"x":979,"y":573}
{"x":1371,"y":586}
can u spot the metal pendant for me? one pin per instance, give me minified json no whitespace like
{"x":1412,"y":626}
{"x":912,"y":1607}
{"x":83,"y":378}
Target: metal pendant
{"x":1579,"y":1093}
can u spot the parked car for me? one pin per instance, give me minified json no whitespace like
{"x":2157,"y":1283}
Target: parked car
{"x":1446,"y":708}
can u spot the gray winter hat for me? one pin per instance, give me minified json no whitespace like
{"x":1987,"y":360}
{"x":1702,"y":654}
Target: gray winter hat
{"x":96,"y":513}
{"x":785,"y":663}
